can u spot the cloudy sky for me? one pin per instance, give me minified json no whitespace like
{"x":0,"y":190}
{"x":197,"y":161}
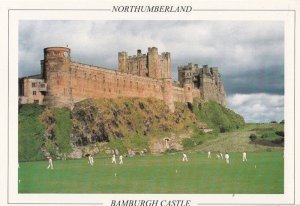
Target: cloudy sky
{"x":249,"y":54}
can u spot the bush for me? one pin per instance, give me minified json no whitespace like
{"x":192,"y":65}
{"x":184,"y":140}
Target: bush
{"x":280,"y":133}
{"x":265,"y":135}
{"x":188,"y":143}
{"x":62,"y":129}
{"x":253,"y":137}
{"x":30,"y":133}
{"x":222,"y":129}
{"x":50,"y":146}
{"x":278,"y":140}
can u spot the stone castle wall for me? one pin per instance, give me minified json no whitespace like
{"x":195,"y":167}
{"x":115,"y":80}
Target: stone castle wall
{"x":141,"y":75}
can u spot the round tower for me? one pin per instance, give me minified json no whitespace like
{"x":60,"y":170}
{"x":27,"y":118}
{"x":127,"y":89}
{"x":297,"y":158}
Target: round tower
{"x":56,"y":72}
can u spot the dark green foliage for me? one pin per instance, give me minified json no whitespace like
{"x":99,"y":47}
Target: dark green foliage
{"x":282,"y":122}
{"x":50,"y":146}
{"x":274,"y":122}
{"x":279,"y":140}
{"x":253,"y":137}
{"x":62,"y":129}
{"x":218,"y":117}
{"x":280,"y":133}
{"x":269,"y":134}
{"x":31,"y":132}
{"x":188,"y":143}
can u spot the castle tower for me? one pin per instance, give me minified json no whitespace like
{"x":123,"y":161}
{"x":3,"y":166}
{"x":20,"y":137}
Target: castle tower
{"x":167,"y":90}
{"x":188,"y":86}
{"x":153,"y":63}
{"x":166,"y":65}
{"x":56,"y":72}
{"x":123,"y":61}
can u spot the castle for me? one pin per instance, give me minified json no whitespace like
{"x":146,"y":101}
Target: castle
{"x":63,"y":82}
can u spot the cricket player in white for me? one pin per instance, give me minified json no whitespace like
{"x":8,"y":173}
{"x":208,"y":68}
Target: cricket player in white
{"x":91,"y":160}
{"x":244,"y":157}
{"x":227,"y":158}
{"x":221,"y":155}
{"x":50,"y":165}
{"x":218,"y":156}
{"x":121,"y":160}
{"x":184,"y":159}
{"x":208,"y":155}
{"x":114,"y":159}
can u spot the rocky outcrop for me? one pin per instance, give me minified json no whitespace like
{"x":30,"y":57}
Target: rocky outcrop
{"x":99,"y":120}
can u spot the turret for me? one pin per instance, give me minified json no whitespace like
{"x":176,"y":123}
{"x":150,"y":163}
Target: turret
{"x":188,"y":86}
{"x":123,"y":61}
{"x":56,"y":72}
{"x":153,"y":63}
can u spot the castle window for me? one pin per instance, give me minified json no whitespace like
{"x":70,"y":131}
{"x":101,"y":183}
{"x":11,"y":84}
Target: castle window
{"x":33,"y":84}
{"x":66,"y":54}
{"x":34,"y":93}
{"x":42,"y":85}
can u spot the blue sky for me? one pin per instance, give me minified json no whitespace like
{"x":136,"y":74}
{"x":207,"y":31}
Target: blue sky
{"x":249,"y":54}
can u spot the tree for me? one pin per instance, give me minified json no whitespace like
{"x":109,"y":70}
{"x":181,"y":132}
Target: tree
{"x":253,"y":137}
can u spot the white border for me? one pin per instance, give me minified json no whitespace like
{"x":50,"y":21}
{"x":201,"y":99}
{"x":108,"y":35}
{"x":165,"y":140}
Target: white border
{"x":16,"y":15}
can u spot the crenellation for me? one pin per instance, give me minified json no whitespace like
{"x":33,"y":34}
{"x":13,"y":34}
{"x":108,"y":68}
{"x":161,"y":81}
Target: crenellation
{"x":140,"y":75}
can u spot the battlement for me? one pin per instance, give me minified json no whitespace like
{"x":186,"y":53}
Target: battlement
{"x":206,"y":79}
{"x":139,"y":75}
{"x":150,"y":65}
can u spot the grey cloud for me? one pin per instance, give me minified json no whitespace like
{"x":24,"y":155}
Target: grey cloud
{"x":259,"y":107}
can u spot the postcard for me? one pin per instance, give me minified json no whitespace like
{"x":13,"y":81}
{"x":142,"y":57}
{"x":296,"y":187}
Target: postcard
{"x":135,"y":103}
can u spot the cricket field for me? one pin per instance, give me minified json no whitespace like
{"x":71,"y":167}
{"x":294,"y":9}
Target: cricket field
{"x":263,"y":173}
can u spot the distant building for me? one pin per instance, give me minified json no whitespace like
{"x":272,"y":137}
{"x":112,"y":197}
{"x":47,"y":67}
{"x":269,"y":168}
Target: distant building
{"x":32,"y":89}
{"x":63,"y":82}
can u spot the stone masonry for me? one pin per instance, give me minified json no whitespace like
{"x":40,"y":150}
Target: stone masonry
{"x":63,"y":82}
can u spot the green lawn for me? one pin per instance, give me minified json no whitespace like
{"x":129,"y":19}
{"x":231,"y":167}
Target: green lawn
{"x":157,"y":174}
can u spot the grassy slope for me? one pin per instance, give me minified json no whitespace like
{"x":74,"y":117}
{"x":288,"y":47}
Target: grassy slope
{"x":31,"y":132}
{"x":157,"y":174}
{"x":238,"y":140}
{"x":216,"y":116}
